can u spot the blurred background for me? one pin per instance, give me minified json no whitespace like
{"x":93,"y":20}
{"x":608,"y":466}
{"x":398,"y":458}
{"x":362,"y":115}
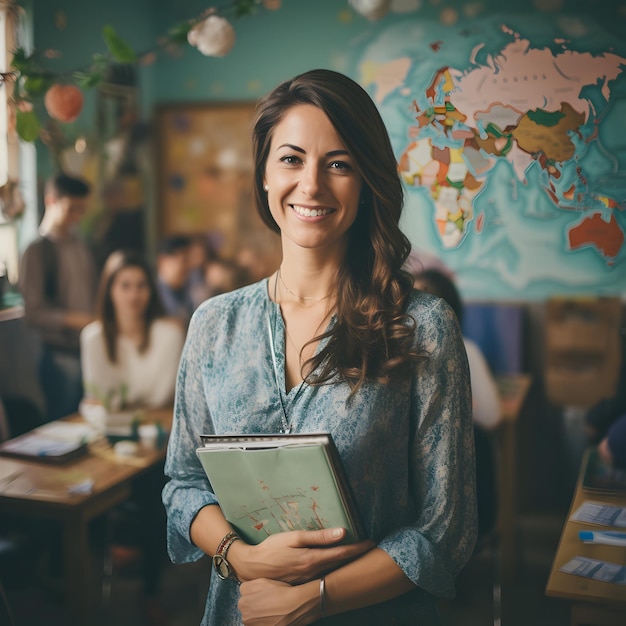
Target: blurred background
{"x":509,"y":125}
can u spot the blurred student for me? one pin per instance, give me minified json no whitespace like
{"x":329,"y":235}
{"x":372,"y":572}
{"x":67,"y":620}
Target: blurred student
{"x":58,"y":280}
{"x":601,"y":416}
{"x":131,"y":351}
{"x":612,"y":448}
{"x":224,"y":275}
{"x":173,"y":277}
{"x":485,"y":399}
{"x":200,"y":254}
{"x":130,"y":357}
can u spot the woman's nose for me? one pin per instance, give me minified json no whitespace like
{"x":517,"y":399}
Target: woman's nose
{"x":311,"y":181}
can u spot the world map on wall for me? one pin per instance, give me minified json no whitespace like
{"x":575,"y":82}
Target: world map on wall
{"x":513,"y":152}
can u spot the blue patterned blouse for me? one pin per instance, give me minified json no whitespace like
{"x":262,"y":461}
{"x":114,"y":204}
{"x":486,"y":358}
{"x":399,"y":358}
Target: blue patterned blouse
{"x":407,"y":448}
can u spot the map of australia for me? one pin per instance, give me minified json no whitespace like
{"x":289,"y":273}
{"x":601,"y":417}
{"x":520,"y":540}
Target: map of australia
{"x":524,"y":106}
{"x":538,"y":109}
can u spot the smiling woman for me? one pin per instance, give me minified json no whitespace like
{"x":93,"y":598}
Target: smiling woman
{"x":336,"y":340}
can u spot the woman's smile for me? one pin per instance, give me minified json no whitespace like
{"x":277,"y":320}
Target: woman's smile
{"x":307,"y":211}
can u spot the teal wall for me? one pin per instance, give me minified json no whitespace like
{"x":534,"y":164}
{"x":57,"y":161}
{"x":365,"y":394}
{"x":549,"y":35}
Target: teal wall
{"x":271,"y":45}
{"x":530,"y":257}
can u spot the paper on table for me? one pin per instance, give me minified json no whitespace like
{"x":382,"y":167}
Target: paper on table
{"x":69,"y":431}
{"x":602,"y":571}
{"x":39,"y":446}
{"x":599,"y":513}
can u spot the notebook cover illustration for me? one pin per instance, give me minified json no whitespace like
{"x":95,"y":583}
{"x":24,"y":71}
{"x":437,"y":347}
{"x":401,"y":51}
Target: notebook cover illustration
{"x":270,"y":484}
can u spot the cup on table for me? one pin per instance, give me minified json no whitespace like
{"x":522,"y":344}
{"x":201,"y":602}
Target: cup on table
{"x":148,"y":435}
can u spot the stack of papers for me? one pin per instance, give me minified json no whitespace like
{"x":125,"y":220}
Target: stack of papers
{"x":600,"y":513}
{"x":55,"y":442}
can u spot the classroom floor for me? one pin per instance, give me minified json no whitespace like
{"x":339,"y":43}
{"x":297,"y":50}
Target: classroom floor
{"x":523,"y":602}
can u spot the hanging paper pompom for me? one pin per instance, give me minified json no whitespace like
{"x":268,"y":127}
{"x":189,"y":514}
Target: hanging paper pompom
{"x":371,"y":9}
{"x":64,"y":102}
{"x":214,"y":36}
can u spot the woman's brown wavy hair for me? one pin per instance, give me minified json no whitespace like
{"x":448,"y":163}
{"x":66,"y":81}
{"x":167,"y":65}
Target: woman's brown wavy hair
{"x":371,"y":339}
{"x":115,"y":263}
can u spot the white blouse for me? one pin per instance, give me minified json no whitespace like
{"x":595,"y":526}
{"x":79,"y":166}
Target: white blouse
{"x":149,"y":377}
{"x":485,"y":398}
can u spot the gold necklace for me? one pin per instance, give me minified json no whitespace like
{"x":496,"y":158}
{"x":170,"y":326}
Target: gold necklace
{"x":291,"y":341}
{"x":314,"y":298}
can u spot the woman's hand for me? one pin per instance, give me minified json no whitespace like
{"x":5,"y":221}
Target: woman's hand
{"x":265,"y":602}
{"x":294,"y":557}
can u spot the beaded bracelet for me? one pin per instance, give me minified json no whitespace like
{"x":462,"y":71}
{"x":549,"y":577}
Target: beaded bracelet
{"x":224,"y":541}
{"x":220,"y":564}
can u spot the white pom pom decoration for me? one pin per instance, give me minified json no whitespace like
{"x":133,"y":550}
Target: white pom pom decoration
{"x":371,"y":9}
{"x":213,"y":37}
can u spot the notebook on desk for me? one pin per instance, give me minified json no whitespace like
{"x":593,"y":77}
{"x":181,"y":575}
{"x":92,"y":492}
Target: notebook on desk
{"x":56,"y":442}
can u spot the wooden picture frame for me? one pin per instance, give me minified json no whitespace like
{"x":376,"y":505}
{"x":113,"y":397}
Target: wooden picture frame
{"x":205,"y":175}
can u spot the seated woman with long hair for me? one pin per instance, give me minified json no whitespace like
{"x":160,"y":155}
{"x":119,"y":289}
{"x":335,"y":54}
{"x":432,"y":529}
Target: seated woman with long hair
{"x":130,"y":353}
{"x":129,"y":358}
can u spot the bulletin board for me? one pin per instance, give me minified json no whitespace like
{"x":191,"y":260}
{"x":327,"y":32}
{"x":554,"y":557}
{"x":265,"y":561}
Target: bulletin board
{"x":205,"y":174}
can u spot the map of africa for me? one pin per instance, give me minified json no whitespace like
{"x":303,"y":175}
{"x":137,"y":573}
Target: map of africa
{"x":510,"y":153}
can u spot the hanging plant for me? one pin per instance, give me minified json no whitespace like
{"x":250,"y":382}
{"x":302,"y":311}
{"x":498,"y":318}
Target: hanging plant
{"x":62,"y":93}
{"x":211,"y":33}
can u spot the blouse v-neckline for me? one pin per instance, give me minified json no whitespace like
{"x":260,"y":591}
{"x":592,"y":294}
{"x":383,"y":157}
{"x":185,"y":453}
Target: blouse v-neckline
{"x":278,"y":323}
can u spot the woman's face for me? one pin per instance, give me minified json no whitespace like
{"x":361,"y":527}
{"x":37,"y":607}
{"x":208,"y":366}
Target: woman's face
{"x":312,"y":183}
{"x":130,"y":292}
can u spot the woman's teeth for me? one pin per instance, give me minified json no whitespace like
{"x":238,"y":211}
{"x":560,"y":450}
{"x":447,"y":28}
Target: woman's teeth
{"x":310,"y":212}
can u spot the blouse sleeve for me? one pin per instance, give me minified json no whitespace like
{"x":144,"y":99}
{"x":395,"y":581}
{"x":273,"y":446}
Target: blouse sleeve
{"x":433,"y":550}
{"x":188,"y":490}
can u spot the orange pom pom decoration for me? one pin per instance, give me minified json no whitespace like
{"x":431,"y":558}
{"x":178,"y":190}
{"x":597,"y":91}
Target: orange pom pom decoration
{"x":64,"y":102}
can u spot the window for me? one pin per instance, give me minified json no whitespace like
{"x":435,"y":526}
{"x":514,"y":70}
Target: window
{"x":10,"y":195}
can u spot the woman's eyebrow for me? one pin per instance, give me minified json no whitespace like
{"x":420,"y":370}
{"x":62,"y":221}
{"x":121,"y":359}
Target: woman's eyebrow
{"x":332,"y":153}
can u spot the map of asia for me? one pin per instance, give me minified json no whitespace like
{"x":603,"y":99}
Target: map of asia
{"x":511,"y":141}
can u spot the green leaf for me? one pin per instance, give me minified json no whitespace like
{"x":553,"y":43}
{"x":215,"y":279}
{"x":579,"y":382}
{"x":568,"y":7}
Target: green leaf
{"x":28,"y":126}
{"x":178,"y":33}
{"x":36,"y":85}
{"x":245,"y":7}
{"x":87,"y":80}
{"x":119,"y":49}
{"x":21,"y":61}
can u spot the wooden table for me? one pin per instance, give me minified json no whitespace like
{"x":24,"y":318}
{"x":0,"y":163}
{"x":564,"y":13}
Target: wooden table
{"x":11,"y":313}
{"x":41,"y":490}
{"x":513,"y":390}
{"x":593,"y":602}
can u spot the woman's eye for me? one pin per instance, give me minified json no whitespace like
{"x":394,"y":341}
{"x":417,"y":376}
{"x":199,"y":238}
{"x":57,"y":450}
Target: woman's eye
{"x":340,"y":165}
{"x":290,"y":159}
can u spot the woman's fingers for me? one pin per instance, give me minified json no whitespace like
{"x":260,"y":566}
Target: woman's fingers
{"x":264,"y":602}
{"x":312,"y":538}
{"x":296,"y":556}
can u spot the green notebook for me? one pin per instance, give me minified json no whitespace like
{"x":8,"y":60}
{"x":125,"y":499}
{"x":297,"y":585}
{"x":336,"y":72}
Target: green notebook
{"x":267,"y":484}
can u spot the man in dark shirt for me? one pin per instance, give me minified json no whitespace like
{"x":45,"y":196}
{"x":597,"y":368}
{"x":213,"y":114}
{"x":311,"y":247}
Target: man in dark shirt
{"x":58,"y":281}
